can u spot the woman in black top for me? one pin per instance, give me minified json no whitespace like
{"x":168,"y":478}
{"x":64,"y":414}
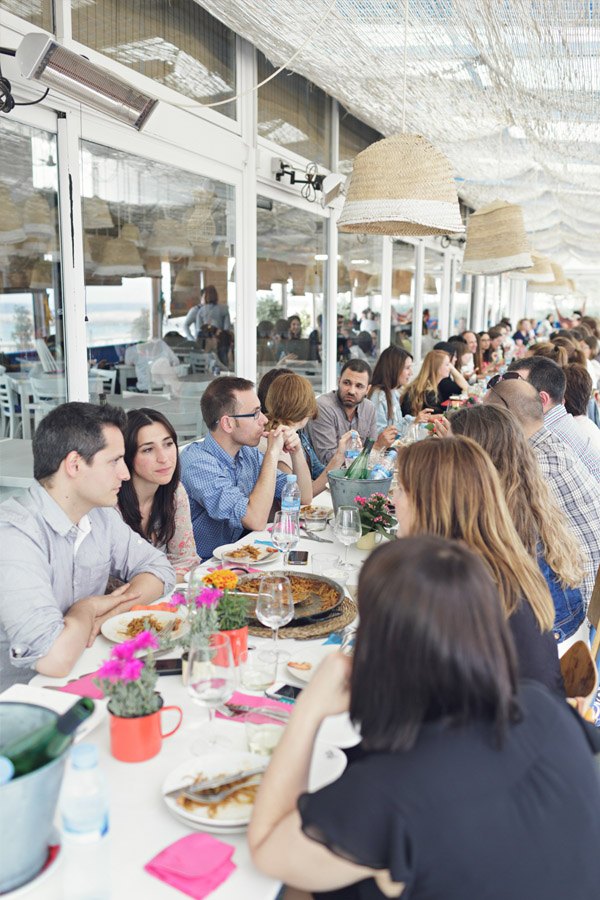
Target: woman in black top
{"x":472,"y":785}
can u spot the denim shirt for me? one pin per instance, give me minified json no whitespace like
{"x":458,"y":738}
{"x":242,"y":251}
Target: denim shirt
{"x":568,"y":602}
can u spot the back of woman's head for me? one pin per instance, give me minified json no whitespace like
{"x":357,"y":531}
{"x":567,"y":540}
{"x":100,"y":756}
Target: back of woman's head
{"x":432,"y":643}
{"x":551,"y":351}
{"x":290,"y":399}
{"x":432,"y":363}
{"x":265,"y":383}
{"x":574,"y":354}
{"x":455,"y":492}
{"x":210,"y":294}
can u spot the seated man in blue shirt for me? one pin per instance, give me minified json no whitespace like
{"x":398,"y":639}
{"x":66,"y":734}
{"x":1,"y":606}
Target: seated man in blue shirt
{"x":231,"y":485}
{"x":63,"y":539}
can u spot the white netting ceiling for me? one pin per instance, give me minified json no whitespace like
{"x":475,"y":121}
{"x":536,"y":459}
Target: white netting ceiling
{"x":509,"y":91}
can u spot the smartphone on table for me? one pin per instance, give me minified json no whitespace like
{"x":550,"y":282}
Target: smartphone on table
{"x":297,"y":557}
{"x":285,"y":692}
{"x":168,"y":666}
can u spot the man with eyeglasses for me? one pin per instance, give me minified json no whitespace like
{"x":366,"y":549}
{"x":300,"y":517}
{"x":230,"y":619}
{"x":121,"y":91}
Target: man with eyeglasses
{"x":230,"y":483}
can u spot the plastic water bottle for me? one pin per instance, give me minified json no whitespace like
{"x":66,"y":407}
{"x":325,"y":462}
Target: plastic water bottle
{"x":84,"y":816}
{"x":353,"y":449}
{"x":385,"y":468}
{"x":290,"y":496}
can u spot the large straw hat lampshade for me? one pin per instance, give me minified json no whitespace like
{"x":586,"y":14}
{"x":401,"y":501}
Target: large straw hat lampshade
{"x":37,"y":217}
{"x":96,"y":214}
{"x":130,"y":232}
{"x":540,"y":271}
{"x":496,"y":240}
{"x":429,"y":285}
{"x":401,"y":282}
{"x":120,"y":257}
{"x":169,"y":240}
{"x":11,"y":227}
{"x":186,"y":282}
{"x":401,"y":185}
{"x":558,"y":285}
{"x":41,"y":275}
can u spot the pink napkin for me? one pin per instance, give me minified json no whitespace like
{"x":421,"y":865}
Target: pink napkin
{"x":84,"y":687}
{"x":196,"y":864}
{"x":264,"y":702}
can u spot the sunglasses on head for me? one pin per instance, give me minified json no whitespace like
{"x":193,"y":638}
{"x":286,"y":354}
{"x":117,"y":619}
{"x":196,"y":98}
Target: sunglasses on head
{"x":506,"y":376}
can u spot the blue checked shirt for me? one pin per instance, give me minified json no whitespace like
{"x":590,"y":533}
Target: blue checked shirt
{"x":219,"y":487}
{"x":560,"y":422}
{"x":577,"y":495}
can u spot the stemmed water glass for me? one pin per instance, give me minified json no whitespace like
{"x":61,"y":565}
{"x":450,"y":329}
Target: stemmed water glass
{"x":210,"y":680}
{"x":275,"y":606}
{"x":347,"y":529}
{"x":286,"y":532}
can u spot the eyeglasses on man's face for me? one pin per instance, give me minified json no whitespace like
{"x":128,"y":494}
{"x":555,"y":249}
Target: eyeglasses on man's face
{"x":256,"y":414}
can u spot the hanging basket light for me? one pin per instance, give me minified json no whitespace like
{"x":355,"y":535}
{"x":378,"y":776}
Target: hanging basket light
{"x":401,"y":185}
{"x":429,"y":285}
{"x":401,"y":282}
{"x":11,"y":227}
{"x":41,"y":275}
{"x":169,"y":240}
{"x":496,"y":240}
{"x":558,"y":285}
{"x":120,"y":257}
{"x":37,"y":217}
{"x":186,"y":281}
{"x":130,"y":232}
{"x":540,"y":271}
{"x":96,"y":214}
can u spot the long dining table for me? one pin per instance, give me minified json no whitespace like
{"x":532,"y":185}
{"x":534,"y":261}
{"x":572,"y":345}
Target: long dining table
{"x":140,"y":823}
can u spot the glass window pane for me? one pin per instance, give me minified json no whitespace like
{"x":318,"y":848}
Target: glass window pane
{"x":432,"y":287}
{"x":354,"y":137}
{"x":177,"y":44}
{"x":38,"y":12}
{"x":359,"y":296}
{"x":31,"y":309}
{"x":291,"y":270}
{"x":159,"y":250}
{"x":294,"y":113}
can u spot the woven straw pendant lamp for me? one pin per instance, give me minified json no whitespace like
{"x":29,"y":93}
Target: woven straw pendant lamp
{"x":37,"y":217}
{"x":120,"y":257}
{"x":11,"y":230}
{"x":540,"y":271}
{"x":401,"y":185}
{"x":496,"y":240}
{"x":429,"y":285}
{"x":96,"y":214}
{"x":41,"y":275}
{"x":558,"y":285}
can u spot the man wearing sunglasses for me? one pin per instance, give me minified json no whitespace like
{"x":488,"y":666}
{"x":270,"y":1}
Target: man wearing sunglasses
{"x":231,"y":485}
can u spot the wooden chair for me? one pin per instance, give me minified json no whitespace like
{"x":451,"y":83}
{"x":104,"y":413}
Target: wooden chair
{"x":593,"y":615}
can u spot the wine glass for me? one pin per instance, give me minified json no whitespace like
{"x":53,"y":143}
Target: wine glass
{"x":210,"y":680}
{"x":347,"y":529}
{"x":286,"y":532}
{"x":275,"y":606}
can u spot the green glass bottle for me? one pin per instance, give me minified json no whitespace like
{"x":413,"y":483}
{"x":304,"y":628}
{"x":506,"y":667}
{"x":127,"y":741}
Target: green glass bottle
{"x":34,"y":750}
{"x":360,"y":467}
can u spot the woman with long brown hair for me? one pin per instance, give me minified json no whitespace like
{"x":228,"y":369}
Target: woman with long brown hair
{"x":421,"y":395}
{"x":450,"y":488}
{"x":154,"y":502}
{"x":391,"y":374}
{"x":534,"y":512}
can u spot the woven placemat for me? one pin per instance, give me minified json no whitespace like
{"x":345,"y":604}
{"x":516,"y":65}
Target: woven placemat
{"x":318,"y":629}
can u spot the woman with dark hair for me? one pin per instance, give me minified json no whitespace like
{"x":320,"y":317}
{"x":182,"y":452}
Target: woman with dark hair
{"x":578,"y":392}
{"x":153,"y":502}
{"x":450,"y":488}
{"x":392,"y":372}
{"x":483,"y":345}
{"x":471,"y":783}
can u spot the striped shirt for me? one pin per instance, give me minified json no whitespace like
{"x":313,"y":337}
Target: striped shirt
{"x":560,"y":422}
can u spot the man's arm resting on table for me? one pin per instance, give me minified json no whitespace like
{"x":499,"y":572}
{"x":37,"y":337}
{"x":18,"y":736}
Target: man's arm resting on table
{"x":80,"y":629}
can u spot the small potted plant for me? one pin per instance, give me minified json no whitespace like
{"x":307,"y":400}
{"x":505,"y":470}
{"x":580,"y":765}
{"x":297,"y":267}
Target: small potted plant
{"x":134,"y":705}
{"x":376,"y":518}
{"x":232,"y":610}
{"x":201,"y":604}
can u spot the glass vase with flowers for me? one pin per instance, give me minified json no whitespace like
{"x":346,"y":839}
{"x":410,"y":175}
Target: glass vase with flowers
{"x":377,"y":519}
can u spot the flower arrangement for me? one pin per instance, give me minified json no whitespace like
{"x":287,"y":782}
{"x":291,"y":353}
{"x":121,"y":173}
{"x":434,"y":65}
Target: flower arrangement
{"x":128,"y":681}
{"x":202,"y":612}
{"x":232,"y":611}
{"x":376,"y":514}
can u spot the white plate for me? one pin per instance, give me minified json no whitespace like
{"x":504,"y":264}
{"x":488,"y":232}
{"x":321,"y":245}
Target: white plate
{"x":328,"y":763}
{"x":58,"y":701}
{"x":114,"y":628}
{"x":339,"y":731}
{"x":222,"y":553}
{"x":313,"y":656}
{"x":213,"y":828}
{"x":210,"y":766}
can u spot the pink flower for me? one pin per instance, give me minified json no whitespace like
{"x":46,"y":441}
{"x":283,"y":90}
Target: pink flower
{"x":360,"y":500}
{"x":123,"y":651}
{"x":378,"y":519}
{"x":145,"y":640}
{"x":208,"y":597}
{"x":177,"y":600}
{"x":132,"y":670}
{"x":110,"y":669}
